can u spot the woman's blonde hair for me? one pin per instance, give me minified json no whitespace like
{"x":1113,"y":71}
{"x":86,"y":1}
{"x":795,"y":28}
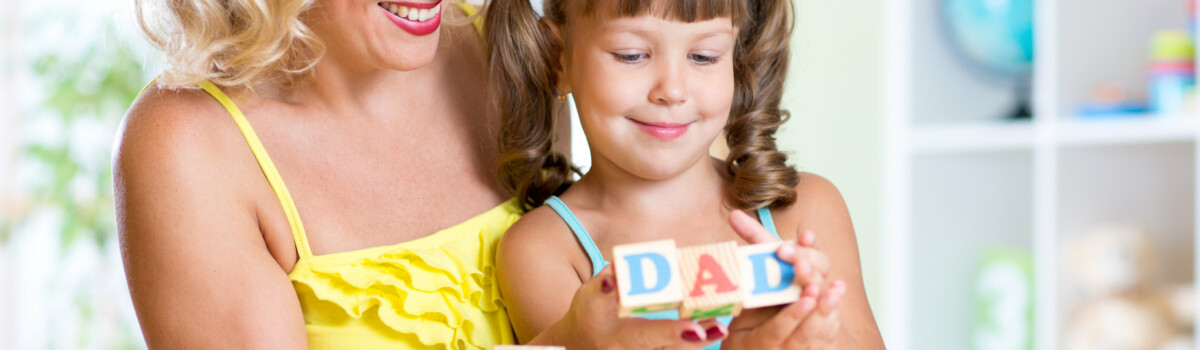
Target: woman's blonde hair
{"x":523,"y":59}
{"x":237,"y":43}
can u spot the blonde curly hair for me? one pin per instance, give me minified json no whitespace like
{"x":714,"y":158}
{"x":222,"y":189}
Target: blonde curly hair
{"x":237,"y":43}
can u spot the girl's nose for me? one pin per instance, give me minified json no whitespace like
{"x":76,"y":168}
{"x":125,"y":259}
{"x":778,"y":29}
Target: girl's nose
{"x":671,"y":89}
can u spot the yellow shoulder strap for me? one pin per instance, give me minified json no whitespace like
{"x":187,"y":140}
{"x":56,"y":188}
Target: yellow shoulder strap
{"x":268,"y":168}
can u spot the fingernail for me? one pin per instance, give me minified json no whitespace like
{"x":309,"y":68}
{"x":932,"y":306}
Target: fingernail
{"x":787,"y":250}
{"x":606,"y":286}
{"x":835,"y":299}
{"x":716,"y":332}
{"x":812,"y":290}
{"x":692,"y":335}
{"x":807,"y":304}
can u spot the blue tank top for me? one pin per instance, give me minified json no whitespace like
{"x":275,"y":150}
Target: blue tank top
{"x":598,"y":262}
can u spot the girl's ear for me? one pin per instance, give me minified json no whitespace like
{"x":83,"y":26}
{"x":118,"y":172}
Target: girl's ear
{"x":557,"y":55}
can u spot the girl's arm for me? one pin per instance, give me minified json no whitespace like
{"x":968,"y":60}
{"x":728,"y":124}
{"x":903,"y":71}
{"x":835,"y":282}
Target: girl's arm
{"x":535,"y":271}
{"x":549,"y":306}
{"x":833,"y":264}
{"x":199,"y":272}
{"x":821,"y":209}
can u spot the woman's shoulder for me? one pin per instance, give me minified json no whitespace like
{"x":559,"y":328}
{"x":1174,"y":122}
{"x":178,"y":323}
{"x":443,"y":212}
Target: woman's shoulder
{"x":181,"y":136}
{"x":170,"y":125}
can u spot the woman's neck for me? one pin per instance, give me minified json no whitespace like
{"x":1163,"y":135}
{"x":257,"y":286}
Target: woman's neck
{"x":348,"y":89}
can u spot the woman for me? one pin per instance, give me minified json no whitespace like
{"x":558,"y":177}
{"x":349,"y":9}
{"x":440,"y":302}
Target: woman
{"x":372,"y":133}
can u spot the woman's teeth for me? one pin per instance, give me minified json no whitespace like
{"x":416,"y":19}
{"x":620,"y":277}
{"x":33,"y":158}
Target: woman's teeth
{"x":412,"y":14}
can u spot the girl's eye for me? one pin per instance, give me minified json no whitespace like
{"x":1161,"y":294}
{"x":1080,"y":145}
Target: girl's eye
{"x":629,"y":58}
{"x":702,"y":59}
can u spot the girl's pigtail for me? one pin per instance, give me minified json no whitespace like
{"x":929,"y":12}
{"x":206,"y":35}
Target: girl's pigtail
{"x":522,"y":58}
{"x":761,"y":176}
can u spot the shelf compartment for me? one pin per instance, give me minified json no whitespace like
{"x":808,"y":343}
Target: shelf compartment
{"x":1126,"y":130}
{"x":963,"y":206}
{"x":972,"y":137}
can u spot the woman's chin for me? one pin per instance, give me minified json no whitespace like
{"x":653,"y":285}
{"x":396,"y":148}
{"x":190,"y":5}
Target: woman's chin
{"x":410,"y":56}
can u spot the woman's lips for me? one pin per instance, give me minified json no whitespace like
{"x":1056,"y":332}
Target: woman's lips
{"x":416,"y":18}
{"x":663,"y":131}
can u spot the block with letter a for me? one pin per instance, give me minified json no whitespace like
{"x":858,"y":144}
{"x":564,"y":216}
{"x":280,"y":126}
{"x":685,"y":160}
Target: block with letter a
{"x":646,"y":277}
{"x":766,"y":280}
{"x":710,"y":280}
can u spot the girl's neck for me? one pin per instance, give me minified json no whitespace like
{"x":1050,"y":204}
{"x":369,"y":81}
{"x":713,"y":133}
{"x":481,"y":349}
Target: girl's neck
{"x":699,"y":188}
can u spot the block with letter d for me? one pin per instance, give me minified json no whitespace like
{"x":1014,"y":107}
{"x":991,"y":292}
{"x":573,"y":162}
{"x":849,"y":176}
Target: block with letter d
{"x":766,"y":280}
{"x":646,"y":277}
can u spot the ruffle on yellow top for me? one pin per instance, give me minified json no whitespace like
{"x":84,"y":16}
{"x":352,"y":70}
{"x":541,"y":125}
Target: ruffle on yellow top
{"x":437,"y":292}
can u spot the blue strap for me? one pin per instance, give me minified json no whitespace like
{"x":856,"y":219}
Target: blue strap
{"x":764,"y":216}
{"x":581,"y":234}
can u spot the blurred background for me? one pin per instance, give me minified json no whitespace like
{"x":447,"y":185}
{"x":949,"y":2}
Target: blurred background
{"x":68,"y":71}
{"x":1021,"y":173}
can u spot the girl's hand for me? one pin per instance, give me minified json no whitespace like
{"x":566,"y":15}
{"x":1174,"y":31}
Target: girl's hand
{"x":813,"y":322}
{"x":592,"y":323}
{"x":811,"y":265}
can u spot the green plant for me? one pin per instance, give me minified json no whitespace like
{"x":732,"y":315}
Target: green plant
{"x":92,"y":89}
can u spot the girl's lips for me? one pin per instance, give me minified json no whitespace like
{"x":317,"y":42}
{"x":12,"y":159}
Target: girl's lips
{"x":663,"y":131}
{"x":412,"y":26}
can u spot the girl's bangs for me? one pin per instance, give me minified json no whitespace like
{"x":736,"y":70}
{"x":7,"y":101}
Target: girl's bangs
{"x":675,"y":10}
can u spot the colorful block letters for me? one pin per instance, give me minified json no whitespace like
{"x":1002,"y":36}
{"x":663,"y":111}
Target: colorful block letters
{"x":702,"y":281}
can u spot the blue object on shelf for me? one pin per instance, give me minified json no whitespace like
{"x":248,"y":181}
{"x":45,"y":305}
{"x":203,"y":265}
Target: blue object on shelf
{"x":1169,"y":91}
{"x":995,"y":33}
{"x":1112,"y":111}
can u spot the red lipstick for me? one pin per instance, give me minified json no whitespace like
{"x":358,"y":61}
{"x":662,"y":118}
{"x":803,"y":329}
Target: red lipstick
{"x":414,"y":27}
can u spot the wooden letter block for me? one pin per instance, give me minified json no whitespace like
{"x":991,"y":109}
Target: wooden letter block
{"x":647,"y":277}
{"x":766,"y":280}
{"x":710,"y":280}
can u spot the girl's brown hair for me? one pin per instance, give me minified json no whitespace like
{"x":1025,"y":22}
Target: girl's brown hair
{"x":523,"y":57}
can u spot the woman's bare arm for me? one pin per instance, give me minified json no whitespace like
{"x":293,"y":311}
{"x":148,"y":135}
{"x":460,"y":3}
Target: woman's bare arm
{"x":198,"y":269}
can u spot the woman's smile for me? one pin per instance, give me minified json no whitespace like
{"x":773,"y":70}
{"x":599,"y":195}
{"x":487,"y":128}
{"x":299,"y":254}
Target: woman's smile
{"x":416,"y":18}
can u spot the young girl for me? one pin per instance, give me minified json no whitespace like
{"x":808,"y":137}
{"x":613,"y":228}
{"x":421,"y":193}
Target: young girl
{"x":655,"y":82}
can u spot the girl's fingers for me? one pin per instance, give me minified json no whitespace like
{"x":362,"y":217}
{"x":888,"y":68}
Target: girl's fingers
{"x":808,"y":238}
{"x":775,"y":332}
{"x":820,"y":329}
{"x":831,"y":301}
{"x":600,"y":292}
{"x":750,"y":229}
{"x":641,"y":333}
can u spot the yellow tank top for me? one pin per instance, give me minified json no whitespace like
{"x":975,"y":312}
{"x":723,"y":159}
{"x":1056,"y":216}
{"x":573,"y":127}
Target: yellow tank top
{"x":436,"y":292}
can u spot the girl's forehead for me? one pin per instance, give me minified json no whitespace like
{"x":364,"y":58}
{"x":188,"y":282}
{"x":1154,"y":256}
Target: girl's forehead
{"x":676,"y":10}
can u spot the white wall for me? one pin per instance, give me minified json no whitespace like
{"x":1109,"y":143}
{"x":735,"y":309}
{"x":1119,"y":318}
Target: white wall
{"x":834,"y":94}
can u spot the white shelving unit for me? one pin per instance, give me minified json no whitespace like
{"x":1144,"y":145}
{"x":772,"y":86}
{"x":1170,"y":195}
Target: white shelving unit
{"x":959,"y":180}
